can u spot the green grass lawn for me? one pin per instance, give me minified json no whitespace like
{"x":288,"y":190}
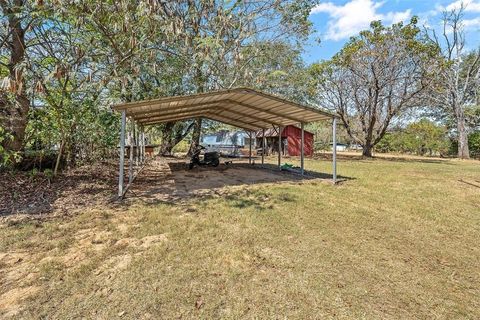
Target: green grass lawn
{"x":399,"y":240}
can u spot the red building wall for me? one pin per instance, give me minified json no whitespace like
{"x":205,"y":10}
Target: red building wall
{"x":294,"y":136}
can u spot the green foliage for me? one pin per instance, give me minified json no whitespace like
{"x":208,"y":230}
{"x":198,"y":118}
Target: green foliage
{"x":48,"y":173}
{"x":421,"y":138}
{"x":388,"y":143}
{"x":7,"y":157}
{"x":474,"y":144}
{"x":181,"y":147}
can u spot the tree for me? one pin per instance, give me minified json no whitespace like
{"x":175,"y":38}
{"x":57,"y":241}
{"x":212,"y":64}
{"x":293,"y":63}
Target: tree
{"x":459,"y":81}
{"x":14,"y":101}
{"x":375,"y":78}
{"x":59,"y":66}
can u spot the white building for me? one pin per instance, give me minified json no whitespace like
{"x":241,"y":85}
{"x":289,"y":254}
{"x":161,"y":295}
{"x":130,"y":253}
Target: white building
{"x":228,"y":143}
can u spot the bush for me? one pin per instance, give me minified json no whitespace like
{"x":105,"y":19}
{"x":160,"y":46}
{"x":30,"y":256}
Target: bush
{"x":474,"y":144}
{"x":7,"y":158}
{"x":422,"y":138}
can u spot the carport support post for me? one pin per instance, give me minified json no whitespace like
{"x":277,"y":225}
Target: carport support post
{"x":263,"y":146}
{"x":143,"y":144}
{"x":250,"y":148}
{"x":139,"y":149}
{"x":130,"y":160}
{"x":135,"y":142}
{"x":122,"y":154}
{"x":140,"y":144}
{"x":334,"y":134}
{"x":302,"y":148}
{"x":279,"y":148}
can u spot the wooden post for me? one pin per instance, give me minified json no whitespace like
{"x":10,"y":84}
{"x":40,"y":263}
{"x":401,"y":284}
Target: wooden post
{"x":122,"y":155}
{"x":302,"y":149}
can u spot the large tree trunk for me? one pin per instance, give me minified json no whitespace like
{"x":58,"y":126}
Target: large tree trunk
{"x":463,"y":152}
{"x":197,"y":130}
{"x":172,"y":134}
{"x":167,"y":145}
{"x":15,"y":113}
{"x":367,"y":150}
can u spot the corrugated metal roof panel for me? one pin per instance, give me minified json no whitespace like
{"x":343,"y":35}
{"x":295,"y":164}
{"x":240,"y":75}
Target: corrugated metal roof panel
{"x":242,"y":107}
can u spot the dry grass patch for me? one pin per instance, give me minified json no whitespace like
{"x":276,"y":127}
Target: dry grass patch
{"x":399,"y":240}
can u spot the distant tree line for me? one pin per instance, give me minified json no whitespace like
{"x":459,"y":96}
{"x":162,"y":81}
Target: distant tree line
{"x":421,"y":138}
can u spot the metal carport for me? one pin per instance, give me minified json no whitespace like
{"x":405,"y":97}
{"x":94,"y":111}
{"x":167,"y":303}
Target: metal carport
{"x":245,"y":108}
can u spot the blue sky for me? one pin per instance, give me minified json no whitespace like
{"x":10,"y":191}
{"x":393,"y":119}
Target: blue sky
{"x":336,"y":20}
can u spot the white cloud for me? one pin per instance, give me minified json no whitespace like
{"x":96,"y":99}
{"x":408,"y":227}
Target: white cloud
{"x":354,"y":16}
{"x":469,"y":5}
{"x":472,"y":23}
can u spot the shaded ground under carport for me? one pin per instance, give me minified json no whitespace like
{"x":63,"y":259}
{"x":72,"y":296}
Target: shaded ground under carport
{"x":170,"y":180}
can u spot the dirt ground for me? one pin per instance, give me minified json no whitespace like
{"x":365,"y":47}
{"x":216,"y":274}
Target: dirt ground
{"x":170,"y":180}
{"x":24,"y":194}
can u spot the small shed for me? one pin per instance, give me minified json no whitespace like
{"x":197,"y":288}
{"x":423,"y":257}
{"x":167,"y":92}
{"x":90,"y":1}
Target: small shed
{"x":291,"y":141}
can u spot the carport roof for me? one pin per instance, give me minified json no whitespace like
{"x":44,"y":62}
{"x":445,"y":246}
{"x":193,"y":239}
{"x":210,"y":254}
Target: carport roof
{"x":241,"y":107}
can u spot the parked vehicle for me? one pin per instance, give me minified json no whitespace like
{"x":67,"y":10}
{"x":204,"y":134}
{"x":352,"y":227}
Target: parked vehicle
{"x":209,"y":158}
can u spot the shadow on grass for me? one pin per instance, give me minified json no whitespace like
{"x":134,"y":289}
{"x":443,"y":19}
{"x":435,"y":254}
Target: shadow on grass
{"x":469,"y":183}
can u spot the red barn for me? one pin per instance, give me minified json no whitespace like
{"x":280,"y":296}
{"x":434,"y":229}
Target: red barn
{"x":291,"y":141}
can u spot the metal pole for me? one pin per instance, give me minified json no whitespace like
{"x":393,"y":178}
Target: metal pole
{"x":250,"y":148}
{"x":140,"y":138}
{"x":130,"y":160}
{"x":263,"y":146}
{"x":279,"y":147}
{"x":136,"y":139}
{"x":139,"y":144}
{"x":334,"y":133}
{"x":302,"y":148}
{"x":122,"y":154}
{"x":143,"y":144}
